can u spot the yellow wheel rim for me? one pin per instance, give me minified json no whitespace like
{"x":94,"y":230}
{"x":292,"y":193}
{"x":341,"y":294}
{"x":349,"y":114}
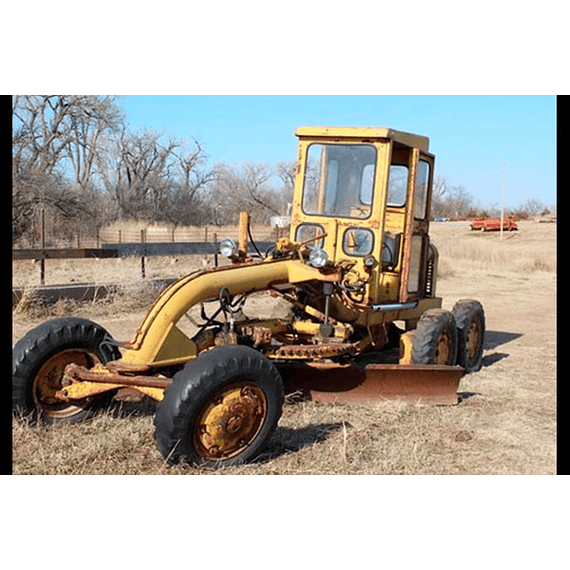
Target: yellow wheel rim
{"x":443,"y":349}
{"x":48,"y":381}
{"x":473,"y":340}
{"x":231,"y":421}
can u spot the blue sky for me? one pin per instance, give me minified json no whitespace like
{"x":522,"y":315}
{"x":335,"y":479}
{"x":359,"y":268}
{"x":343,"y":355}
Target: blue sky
{"x":471,"y":136}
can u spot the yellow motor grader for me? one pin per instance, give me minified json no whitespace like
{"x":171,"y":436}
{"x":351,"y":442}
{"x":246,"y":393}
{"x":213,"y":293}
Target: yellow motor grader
{"x":358,"y":271}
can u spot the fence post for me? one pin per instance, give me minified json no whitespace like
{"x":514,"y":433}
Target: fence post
{"x":143,"y":272}
{"x":42,"y":260}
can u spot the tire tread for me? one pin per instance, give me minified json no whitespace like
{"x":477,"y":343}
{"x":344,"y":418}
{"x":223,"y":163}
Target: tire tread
{"x":195,"y":382}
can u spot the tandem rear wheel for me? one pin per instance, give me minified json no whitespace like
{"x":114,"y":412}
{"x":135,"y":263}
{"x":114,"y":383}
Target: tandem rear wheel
{"x":470,"y":321}
{"x":435,"y":339}
{"x":451,"y":337}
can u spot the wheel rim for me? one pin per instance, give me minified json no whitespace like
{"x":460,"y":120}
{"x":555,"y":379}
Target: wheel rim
{"x":473,"y":341}
{"x":443,"y":349}
{"x":230,"y":422}
{"x":48,"y":381}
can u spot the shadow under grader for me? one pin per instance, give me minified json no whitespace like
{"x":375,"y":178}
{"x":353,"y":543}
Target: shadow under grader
{"x":129,"y":409}
{"x":287,"y":440}
{"x":493,"y":339}
{"x":497,"y":338}
{"x":491,"y":359}
{"x":467,"y":395}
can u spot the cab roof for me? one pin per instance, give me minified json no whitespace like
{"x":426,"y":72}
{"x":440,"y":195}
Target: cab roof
{"x":402,"y":137}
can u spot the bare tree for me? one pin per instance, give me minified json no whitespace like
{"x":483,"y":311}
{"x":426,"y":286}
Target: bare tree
{"x":55,"y":139}
{"x":90,"y":119}
{"x":41,"y":137}
{"x":35,"y":191}
{"x":439,"y":188}
{"x":458,"y":202}
{"x":247,"y":188}
{"x":532,"y":207}
{"x":138,"y":172}
{"x":186,"y":204}
{"x":150,"y":176}
{"x":49,"y":130}
{"x":287,"y":172}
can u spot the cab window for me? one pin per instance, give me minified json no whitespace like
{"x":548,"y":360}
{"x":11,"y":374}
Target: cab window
{"x":422,"y":185}
{"x":397,"y":185}
{"x":339,"y":180}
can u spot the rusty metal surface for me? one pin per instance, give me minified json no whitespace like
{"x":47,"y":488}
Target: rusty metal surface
{"x":308,"y":351}
{"x":82,"y":390}
{"x":79,"y":382}
{"x":77,"y":372}
{"x":85,"y":389}
{"x":345,"y":383}
{"x":231,"y":421}
{"x":490,"y":225}
{"x":475,"y":334}
{"x":51,"y":377}
{"x":331,"y":349}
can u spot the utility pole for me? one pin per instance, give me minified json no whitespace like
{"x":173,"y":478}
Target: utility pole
{"x":503,"y":197}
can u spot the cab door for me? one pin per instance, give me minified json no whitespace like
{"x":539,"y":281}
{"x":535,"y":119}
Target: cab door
{"x":416,"y":233}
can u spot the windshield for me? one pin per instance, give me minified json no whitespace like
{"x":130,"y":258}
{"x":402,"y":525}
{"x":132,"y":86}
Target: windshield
{"x":339,"y":180}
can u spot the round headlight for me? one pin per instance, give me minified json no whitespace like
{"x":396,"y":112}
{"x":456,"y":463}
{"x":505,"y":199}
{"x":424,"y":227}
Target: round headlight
{"x":318,"y":257}
{"x":228,"y":247}
{"x":369,"y":261}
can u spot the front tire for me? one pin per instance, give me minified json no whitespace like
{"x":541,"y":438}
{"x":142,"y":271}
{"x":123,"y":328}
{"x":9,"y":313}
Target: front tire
{"x":38,"y":362}
{"x":221,"y":409}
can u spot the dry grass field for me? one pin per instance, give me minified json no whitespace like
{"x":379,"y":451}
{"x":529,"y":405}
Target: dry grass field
{"x":504,"y":424}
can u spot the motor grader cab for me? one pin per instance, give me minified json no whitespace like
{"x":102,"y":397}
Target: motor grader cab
{"x":363,"y":199}
{"x":359,"y":272}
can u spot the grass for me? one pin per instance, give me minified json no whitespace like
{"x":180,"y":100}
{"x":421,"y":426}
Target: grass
{"x":127,"y":297}
{"x":485,"y":252}
{"x":312,"y":439}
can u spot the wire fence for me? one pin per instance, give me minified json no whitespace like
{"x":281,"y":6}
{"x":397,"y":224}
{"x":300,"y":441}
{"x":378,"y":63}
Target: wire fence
{"x":185,"y":234}
{"x":152,"y":234}
{"x":141,"y":242}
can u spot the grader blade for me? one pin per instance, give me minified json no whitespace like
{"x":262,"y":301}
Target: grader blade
{"x":346,"y":383}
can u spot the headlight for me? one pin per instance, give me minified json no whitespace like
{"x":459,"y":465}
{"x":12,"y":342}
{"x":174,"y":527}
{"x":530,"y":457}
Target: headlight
{"x":318,"y":257}
{"x":228,"y":247}
{"x":369,"y":261}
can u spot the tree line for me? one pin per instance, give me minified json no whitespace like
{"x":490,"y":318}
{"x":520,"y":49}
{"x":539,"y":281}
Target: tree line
{"x":456,"y":203}
{"x":76,"y":158}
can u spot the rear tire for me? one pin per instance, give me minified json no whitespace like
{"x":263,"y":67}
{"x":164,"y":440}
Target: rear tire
{"x":38,"y":362}
{"x":470,"y":320}
{"x":221,"y":409}
{"x":435,"y":339}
